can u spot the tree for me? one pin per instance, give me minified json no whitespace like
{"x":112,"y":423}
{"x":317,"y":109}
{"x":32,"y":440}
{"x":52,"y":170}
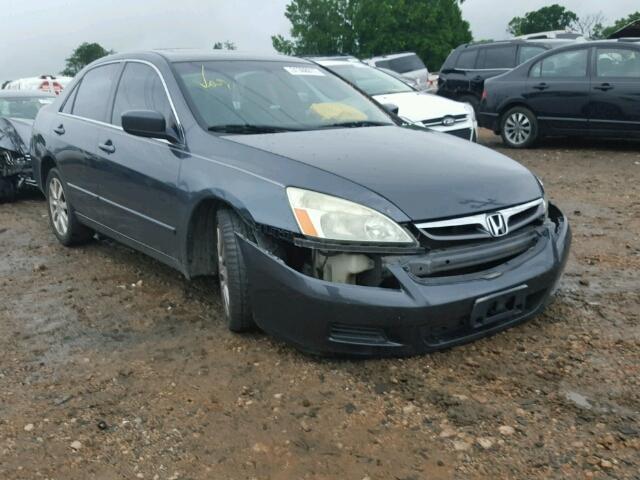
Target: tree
{"x":83,"y":56}
{"x":589,"y":24}
{"x":226,"y":45}
{"x":363,"y":28}
{"x":553,"y":17}
{"x":600,"y":31}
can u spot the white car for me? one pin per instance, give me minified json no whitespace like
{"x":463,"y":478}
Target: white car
{"x":407,"y":64}
{"x":44,"y":83}
{"x":415,"y":107}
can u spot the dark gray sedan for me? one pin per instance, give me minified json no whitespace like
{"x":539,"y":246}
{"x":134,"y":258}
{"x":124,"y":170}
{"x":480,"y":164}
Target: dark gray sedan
{"x":327,"y":222}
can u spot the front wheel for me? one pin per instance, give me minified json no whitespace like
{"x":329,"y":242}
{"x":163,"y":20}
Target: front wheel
{"x":519,"y":128}
{"x":232,"y":273}
{"x":66,"y":227}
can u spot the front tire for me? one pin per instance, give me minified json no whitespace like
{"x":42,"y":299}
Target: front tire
{"x":62,"y":218}
{"x":232,"y":273}
{"x":519,"y":128}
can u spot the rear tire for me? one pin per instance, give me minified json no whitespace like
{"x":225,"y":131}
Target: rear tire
{"x":232,"y":273}
{"x":8,"y":190}
{"x":519,"y":128}
{"x":62,"y":218}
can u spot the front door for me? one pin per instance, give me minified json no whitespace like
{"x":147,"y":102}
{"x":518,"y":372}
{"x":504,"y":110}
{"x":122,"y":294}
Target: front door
{"x":138,"y":176}
{"x":558,"y":91}
{"x":614,"y":108}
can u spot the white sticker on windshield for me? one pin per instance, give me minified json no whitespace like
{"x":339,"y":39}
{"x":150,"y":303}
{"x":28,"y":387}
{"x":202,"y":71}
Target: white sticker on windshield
{"x":309,"y":71}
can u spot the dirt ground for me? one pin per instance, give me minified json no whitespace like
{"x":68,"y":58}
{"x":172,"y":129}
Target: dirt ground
{"x":113,"y":366}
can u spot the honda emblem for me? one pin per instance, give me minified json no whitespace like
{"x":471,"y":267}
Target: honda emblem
{"x":496,"y":225}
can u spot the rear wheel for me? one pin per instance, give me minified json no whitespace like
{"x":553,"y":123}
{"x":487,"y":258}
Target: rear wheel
{"x":232,"y":273}
{"x":519,"y":128}
{"x":62,"y":216}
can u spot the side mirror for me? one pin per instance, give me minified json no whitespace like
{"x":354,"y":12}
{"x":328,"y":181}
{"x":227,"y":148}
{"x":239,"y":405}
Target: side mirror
{"x":391,"y":108}
{"x":146,"y":123}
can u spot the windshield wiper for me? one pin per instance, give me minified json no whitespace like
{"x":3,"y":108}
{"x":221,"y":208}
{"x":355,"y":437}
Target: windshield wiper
{"x":356,"y":124}
{"x":248,"y":128}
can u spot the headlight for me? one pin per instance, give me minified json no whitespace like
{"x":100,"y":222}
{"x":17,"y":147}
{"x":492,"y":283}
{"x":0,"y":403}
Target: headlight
{"x":470,"y":111}
{"x":323,"y":216}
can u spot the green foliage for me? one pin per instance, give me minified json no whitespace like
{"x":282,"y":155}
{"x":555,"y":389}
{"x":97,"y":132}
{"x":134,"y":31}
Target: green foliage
{"x":83,"y":56}
{"x":226,"y":45}
{"x":600,"y":31}
{"x":553,"y":17}
{"x":364,"y":28}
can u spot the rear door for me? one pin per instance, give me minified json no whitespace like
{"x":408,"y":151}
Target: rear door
{"x":76,"y":131}
{"x":558,"y":89}
{"x":138,"y":176}
{"x":614,"y":107}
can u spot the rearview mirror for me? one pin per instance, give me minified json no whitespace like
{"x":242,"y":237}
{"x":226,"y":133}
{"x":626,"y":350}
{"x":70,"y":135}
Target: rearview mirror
{"x":391,"y":108}
{"x":146,"y":123}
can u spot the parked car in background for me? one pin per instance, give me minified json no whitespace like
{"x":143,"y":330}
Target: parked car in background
{"x":407,"y":64}
{"x":432,"y":83}
{"x":44,"y":83}
{"x":17,"y":112}
{"x":587,"y":89}
{"x":465,"y":70}
{"x":329,"y":224}
{"x":416,"y":107}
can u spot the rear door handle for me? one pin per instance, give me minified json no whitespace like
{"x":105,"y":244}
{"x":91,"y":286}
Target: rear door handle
{"x":107,"y":146}
{"x":604,"y":87}
{"x":59,"y":129}
{"x":541,"y":86}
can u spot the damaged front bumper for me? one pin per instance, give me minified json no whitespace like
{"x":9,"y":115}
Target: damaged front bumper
{"x":423,"y":314}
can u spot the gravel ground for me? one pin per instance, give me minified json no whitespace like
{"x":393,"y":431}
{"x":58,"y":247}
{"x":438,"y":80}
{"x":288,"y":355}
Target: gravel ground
{"x":112,"y":366}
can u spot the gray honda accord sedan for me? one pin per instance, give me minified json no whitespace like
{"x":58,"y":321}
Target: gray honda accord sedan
{"x":328,"y":223}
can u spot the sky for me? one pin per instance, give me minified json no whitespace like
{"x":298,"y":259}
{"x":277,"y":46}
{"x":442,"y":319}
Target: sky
{"x":37,"y":35}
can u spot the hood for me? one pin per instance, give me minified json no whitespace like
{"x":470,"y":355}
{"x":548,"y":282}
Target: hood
{"x":15,"y":134}
{"x":419,"y":106}
{"x":426,"y":174}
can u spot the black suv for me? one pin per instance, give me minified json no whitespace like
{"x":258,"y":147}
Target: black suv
{"x":464,"y":71}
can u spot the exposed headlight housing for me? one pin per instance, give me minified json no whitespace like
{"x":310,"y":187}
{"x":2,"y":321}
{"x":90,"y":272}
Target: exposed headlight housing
{"x":331,"y":218}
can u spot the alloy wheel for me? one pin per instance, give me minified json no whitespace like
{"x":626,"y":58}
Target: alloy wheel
{"x":223,"y":273}
{"x":58,"y":206}
{"x":518,"y":128}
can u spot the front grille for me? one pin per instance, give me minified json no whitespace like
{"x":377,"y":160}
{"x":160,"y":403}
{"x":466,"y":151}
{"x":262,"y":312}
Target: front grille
{"x":462,"y":133}
{"x":434,"y":122}
{"x":479,"y":226}
{"x":359,"y":335}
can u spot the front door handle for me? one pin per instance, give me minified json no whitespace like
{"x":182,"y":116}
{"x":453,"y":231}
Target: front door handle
{"x":541,"y":86}
{"x":59,"y":129}
{"x":604,"y":87}
{"x":107,"y":147}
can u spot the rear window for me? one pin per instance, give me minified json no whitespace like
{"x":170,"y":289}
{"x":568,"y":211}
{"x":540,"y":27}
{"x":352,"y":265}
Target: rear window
{"x":498,"y":57}
{"x":467,"y":59}
{"x":527,"y":52}
{"x":408,"y":63}
{"x":92,"y":99}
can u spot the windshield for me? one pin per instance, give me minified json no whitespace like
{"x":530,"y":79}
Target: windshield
{"x":257,"y":96}
{"x":23,"y":107}
{"x":368,"y":79}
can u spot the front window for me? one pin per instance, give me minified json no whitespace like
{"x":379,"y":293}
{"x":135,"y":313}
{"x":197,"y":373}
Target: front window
{"x":618,"y":62}
{"x":255,"y":97}
{"x":23,"y":107}
{"x":369,"y":80}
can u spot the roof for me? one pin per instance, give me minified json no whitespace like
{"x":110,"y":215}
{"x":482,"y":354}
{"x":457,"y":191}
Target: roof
{"x":25,"y":94}
{"x":631,"y":30}
{"x":196,"y":55}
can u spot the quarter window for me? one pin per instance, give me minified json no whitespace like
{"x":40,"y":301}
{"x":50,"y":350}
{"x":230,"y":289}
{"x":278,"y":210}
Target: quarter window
{"x":140,"y":88}
{"x":618,"y":62}
{"x":571,"y":64}
{"x":467,"y":59}
{"x":498,"y":57}
{"x":92,"y":99}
